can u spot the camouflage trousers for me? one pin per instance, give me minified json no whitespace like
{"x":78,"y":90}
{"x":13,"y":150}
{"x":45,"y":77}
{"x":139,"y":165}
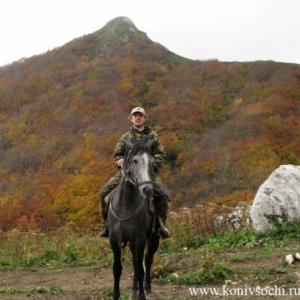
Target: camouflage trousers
{"x":161,"y":196}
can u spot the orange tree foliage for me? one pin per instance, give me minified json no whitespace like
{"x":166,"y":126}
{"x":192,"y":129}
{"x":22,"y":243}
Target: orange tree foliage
{"x":225,"y":127}
{"x":77,"y":200}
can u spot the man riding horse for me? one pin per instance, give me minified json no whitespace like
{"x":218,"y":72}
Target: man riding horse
{"x":139,"y":131}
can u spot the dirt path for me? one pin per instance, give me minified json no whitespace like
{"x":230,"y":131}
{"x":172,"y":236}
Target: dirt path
{"x":75,"y":283}
{"x":257,"y":267}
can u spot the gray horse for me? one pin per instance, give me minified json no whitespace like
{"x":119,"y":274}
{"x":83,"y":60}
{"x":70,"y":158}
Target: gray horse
{"x":131,"y":218}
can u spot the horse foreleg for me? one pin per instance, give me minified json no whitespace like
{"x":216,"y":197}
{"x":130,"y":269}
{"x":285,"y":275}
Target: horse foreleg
{"x":134,"y":287}
{"x":117,"y":270}
{"x":137,"y":250}
{"x":152,"y":246}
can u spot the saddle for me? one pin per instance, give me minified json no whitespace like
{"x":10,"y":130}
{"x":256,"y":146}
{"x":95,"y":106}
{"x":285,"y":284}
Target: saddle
{"x":108,"y":197}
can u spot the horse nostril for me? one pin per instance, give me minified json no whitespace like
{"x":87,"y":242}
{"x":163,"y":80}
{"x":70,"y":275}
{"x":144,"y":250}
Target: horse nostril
{"x":148,"y":191}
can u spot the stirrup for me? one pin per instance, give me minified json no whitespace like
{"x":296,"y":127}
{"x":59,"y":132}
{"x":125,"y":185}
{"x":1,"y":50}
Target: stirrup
{"x":104,"y":232}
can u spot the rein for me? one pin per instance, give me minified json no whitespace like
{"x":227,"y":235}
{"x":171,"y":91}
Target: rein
{"x":121,"y":220}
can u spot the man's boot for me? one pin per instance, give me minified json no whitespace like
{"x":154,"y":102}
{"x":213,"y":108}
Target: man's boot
{"x":104,"y":232}
{"x":161,"y":203}
{"x":104,"y":208}
{"x":165,"y":232}
{"x":162,"y":231}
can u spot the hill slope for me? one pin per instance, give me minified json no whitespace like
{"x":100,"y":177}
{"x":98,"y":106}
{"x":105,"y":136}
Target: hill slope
{"x":225,"y":126}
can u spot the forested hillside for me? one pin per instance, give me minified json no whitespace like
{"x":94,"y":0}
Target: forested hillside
{"x":225,"y":126}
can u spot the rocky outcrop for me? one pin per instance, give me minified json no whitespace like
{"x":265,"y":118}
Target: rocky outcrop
{"x":277,"y":199}
{"x":117,"y":31}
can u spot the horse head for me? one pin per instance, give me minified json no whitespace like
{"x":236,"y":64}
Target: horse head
{"x":138,"y":166}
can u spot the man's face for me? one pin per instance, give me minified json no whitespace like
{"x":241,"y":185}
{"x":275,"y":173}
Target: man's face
{"x":138,"y":120}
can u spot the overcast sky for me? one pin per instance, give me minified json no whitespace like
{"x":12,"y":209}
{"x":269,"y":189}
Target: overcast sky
{"x":227,"y":30}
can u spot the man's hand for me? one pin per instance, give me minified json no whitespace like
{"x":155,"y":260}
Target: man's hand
{"x":120,"y":162}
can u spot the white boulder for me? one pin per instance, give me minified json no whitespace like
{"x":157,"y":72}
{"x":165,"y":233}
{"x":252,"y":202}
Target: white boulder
{"x":277,"y":199}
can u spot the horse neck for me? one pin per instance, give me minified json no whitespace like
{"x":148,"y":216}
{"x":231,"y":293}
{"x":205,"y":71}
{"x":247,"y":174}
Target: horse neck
{"x":128,"y":194}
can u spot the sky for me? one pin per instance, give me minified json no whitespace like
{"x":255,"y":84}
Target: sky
{"x":226,"y":30}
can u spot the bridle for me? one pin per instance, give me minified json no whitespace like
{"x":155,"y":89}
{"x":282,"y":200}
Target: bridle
{"x":133,"y":180}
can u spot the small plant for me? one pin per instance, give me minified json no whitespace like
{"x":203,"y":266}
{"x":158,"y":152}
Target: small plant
{"x":108,"y":294}
{"x":49,"y":255}
{"x":71,"y":254}
{"x":210,"y":270}
{"x":162,"y":269}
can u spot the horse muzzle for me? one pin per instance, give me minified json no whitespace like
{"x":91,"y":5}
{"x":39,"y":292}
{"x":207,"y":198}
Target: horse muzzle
{"x":147,"y":190}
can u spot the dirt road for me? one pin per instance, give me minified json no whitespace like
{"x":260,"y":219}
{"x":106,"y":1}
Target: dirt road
{"x":255,"y":267}
{"x":73,"y":283}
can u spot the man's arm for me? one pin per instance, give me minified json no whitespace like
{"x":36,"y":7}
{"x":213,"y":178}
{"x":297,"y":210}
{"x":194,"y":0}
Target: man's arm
{"x":119,"y":153}
{"x":159,"y":151}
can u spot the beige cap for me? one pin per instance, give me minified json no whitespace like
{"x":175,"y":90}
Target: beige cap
{"x":138,"y":109}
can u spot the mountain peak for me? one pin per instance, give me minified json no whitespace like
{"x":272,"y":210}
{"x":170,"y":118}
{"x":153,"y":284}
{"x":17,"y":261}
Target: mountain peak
{"x":118,"y":30}
{"x":119,"y":23}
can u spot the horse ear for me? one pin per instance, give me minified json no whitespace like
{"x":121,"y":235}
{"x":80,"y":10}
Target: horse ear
{"x":128,"y":144}
{"x":150,"y":144}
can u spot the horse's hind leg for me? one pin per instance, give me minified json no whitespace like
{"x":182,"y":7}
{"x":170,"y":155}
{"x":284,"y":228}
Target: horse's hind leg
{"x":152,"y":246}
{"x":117,"y":270}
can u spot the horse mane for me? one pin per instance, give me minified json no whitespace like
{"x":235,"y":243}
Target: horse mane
{"x":138,"y":146}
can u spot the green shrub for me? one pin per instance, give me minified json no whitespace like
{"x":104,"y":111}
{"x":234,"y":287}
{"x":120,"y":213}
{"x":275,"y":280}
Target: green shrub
{"x":210,"y":270}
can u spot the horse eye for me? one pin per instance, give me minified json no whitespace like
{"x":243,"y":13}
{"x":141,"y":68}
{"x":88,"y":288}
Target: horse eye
{"x":135,"y":161}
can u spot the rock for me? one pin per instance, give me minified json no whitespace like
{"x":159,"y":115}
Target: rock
{"x":230,"y":282}
{"x":289,"y":259}
{"x":236,"y":219}
{"x":277,"y":199}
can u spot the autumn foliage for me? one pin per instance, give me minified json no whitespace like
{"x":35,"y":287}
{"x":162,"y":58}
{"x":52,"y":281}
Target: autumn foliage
{"x":225,"y":127}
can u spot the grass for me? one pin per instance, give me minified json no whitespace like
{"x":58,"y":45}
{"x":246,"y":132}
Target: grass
{"x":69,"y":245}
{"x":227,"y":254}
{"x":52,"y":289}
{"x":53,"y":248}
{"x":202,"y":253}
